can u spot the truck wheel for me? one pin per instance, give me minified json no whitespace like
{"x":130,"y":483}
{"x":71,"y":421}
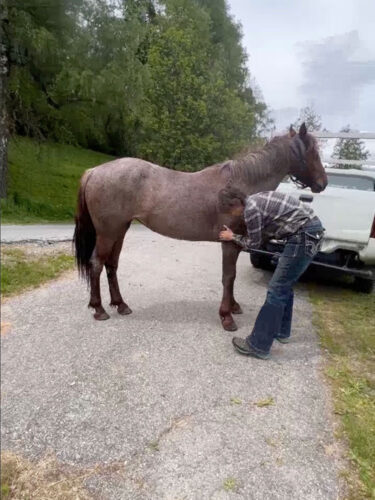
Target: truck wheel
{"x":363,"y":285}
{"x":261,"y":261}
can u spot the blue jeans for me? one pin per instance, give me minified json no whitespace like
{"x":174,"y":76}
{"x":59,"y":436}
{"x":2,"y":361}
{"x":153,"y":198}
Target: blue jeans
{"x":275,"y":317}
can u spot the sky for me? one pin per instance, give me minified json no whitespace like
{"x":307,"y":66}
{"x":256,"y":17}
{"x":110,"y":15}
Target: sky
{"x":312,"y":52}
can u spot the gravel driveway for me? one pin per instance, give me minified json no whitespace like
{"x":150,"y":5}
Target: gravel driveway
{"x":160,"y":394}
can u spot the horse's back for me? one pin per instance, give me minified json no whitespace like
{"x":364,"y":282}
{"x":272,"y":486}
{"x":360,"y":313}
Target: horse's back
{"x":121,"y":189}
{"x":135,"y":174}
{"x":177,"y":204}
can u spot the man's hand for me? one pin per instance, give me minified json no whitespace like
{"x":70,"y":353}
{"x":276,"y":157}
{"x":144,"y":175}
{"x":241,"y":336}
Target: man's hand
{"x":226,"y":234}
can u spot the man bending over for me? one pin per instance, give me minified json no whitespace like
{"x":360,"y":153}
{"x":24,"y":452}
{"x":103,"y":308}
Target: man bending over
{"x":273,"y":215}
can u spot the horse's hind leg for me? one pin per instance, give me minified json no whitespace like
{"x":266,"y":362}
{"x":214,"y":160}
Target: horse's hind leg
{"x":103,"y":248}
{"x":111,"y":267}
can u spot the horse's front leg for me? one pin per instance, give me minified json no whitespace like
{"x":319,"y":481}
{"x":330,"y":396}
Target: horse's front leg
{"x":228,"y":305}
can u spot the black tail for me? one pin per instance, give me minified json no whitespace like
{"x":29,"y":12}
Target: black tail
{"x":84,"y":235}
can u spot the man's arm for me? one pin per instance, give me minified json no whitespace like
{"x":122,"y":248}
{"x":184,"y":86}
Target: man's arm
{"x":242,"y":241}
{"x":253,"y":220}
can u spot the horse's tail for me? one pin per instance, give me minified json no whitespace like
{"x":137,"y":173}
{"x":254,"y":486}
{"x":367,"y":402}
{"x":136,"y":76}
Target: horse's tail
{"x":84,"y":234}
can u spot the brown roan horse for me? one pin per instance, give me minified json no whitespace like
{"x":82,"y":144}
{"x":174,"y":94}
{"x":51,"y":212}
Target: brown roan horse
{"x":179,"y":205}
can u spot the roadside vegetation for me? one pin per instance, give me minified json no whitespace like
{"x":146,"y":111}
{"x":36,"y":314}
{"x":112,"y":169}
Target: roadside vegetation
{"x":46,"y":479}
{"x":22,"y":270}
{"x":347,"y":332}
{"x":44,"y":179}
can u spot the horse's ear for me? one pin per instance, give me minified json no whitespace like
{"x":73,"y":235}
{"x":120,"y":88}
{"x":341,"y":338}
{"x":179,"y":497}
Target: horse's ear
{"x":292,"y":132}
{"x":302,"y":131}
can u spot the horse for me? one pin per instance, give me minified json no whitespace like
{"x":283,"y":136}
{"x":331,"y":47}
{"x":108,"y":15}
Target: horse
{"x":181,"y":205}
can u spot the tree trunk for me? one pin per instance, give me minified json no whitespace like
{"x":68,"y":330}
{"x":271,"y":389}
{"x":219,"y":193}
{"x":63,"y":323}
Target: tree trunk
{"x":3,"y":101}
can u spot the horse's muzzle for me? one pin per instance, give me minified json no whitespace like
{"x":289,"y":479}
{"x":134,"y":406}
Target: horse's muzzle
{"x":318,"y":187}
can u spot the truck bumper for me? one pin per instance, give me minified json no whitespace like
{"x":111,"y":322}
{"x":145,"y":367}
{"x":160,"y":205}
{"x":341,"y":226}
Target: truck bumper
{"x":368,"y":254}
{"x":367,"y":273}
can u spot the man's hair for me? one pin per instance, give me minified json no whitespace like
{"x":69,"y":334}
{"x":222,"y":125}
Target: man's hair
{"x":230,"y":198}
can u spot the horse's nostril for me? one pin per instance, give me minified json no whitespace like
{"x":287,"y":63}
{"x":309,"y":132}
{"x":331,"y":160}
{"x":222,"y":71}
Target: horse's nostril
{"x":317,"y":187}
{"x":321,"y":185}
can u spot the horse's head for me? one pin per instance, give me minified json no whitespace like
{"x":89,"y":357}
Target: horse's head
{"x":306,"y":166}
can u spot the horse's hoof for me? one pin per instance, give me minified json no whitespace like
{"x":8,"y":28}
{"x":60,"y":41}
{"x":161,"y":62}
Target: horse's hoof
{"x":229,"y":325}
{"x":236,"y":309}
{"x":123,"y":309}
{"x":101,"y":316}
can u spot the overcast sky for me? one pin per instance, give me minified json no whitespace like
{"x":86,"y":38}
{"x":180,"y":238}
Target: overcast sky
{"x":319,"y":52}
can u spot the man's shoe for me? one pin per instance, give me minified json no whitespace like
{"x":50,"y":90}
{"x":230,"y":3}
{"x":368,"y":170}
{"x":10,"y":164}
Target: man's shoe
{"x":243,"y":348}
{"x":283,"y":340}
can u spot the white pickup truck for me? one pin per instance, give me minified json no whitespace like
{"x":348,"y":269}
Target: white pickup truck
{"x":347,"y":211}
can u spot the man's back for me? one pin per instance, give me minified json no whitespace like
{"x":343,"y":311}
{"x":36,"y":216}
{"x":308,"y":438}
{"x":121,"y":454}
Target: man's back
{"x":271,"y":214}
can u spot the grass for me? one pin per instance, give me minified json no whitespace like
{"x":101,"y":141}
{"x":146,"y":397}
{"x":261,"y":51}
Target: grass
{"x":236,"y":401}
{"x":265,"y":402}
{"x":154,"y":446}
{"x":44,"y":179}
{"x":346,"y":325}
{"x":230,"y":484}
{"x":20,"y":271}
{"x":46,"y":479}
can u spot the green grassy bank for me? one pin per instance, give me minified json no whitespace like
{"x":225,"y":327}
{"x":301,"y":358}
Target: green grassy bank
{"x":21,"y":271}
{"x":346,"y":326}
{"x":44,"y":179}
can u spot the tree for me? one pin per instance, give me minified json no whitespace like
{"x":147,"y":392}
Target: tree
{"x":100,"y":90}
{"x":230,"y":55}
{"x":349,"y":149}
{"x":194,"y":117}
{"x":312,"y":119}
{"x":76,"y":70}
{"x":313,"y":122}
{"x":166,"y":79}
{"x":226,"y":38}
{"x":3,"y":100}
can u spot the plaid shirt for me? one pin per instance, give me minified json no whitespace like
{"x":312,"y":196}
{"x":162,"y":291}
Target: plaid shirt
{"x":272,"y":215}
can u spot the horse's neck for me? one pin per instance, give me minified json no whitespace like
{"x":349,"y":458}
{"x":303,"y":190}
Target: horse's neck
{"x":269,"y":183}
{"x":270,"y":168}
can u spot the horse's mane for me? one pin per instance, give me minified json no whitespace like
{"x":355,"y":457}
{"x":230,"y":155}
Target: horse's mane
{"x":253,"y":166}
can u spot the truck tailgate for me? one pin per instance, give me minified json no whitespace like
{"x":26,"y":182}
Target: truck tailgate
{"x":347,"y":214}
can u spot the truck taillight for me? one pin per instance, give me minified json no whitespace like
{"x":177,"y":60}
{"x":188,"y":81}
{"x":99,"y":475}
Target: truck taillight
{"x":372,"y":234}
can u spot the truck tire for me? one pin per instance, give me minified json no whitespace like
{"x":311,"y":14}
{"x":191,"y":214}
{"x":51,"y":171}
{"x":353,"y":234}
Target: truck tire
{"x":261,"y":261}
{"x":363,"y":285}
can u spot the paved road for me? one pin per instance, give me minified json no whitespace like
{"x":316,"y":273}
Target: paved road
{"x":43,"y":233}
{"x":160,"y":396}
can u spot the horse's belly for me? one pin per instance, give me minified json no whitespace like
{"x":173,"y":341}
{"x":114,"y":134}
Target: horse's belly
{"x":181,"y":229}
